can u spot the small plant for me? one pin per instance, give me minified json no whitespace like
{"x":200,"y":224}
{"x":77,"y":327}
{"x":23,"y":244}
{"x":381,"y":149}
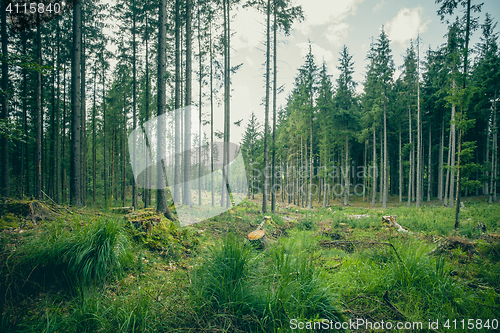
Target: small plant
{"x":222,"y":283}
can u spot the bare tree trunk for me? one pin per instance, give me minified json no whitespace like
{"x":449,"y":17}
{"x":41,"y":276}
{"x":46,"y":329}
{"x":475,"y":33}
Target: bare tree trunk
{"x":134,"y":104}
{"x":386,"y":183}
{"x":400,"y":168}
{"x":83,"y":121}
{"x":39,"y":113}
{"x":273,"y":163}
{"x":346,"y":174}
{"x":410,"y":169}
{"x":266,"y":119}
{"x":63,"y":157}
{"x":494,"y":155}
{"x":440,"y":174}
{"x":104,"y":130}
{"x":429,"y":171}
{"x":200,"y":139}
{"x":124,"y":174}
{"x":381,"y":182}
{"x":227,"y":100}
{"x":212,"y":122}
{"x":94,"y":134}
{"x":311,"y":170}
{"x":75,"y":179}
{"x":419,"y":136}
{"x":177,"y":105}
{"x":187,"y":113}
{"x":452,"y":150}
{"x":4,"y":142}
{"x":161,"y":199}
{"x":374,"y":185}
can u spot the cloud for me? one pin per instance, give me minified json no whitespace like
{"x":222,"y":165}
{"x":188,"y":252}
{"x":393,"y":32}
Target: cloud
{"x":379,"y":6}
{"x":319,"y":53}
{"x":251,"y":31}
{"x":335,"y":34}
{"x":321,"y":12}
{"x":406,"y":25}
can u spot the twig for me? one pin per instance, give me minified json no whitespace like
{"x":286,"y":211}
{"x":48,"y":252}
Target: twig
{"x":391,"y":306}
{"x":155,"y":299}
{"x":50,"y":198}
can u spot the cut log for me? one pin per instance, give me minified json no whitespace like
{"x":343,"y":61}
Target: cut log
{"x":391,"y":221}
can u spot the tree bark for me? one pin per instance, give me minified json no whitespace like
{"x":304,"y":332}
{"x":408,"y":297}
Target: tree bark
{"x":177,"y":105}
{"x":39,"y":113}
{"x":273,"y":180}
{"x":134,"y":104}
{"x":374,"y":185}
{"x":161,"y":194}
{"x":266,"y":116}
{"x":440,"y":174}
{"x":187,"y":112}
{"x":4,"y":142}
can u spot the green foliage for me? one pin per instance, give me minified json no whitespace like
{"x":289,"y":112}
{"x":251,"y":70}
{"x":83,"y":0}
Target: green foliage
{"x":243,"y":290}
{"x":86,"y":252}
{"x":222,"y":286}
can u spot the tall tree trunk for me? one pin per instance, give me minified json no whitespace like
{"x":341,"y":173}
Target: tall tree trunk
{"x":212,"y":185}
{"x":147,"y":190}
{"x":4,"y":142}
{"x":161,"y":194}
{"x":493,"y":186}
{"x":57,"y":197}
{"x":452,"y":152}
{"x":94,"y":135}
{"x":419,"y":138}
{"x":134,"y":104}
{"x":123,"y":154}
{"x":83,"y":121}
{"x":275,"y":70}
{"x":410,"y":169}
{"x":346,"y":174}
{"x":386,"y":183}
{"x":39,"y":112}
{"x":381,"y":183}
{"x":177,"y":105}
{"x":374,"y":185}
{"x":200,"y":139}
{"x":459,"y":172}
{"x":104,"y":130}
{"x":63,"y":157}
{"x":75,"y":177}
{"x":400,"y":168}
{"x":429,"y":171}
{"x":440,"y":171}
{"x":266,"y":116}
{"x":311,"y":169}
{"x":227,"y":98}
{"x":187,"y":200}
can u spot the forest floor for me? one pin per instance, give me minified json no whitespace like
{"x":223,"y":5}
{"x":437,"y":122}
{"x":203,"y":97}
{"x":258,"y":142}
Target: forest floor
{"x":326,"y":269}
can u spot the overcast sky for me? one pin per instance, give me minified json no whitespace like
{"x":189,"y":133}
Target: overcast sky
{"x":329,"y":24}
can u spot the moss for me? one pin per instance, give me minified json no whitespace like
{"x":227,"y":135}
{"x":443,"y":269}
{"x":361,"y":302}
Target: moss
{"x":9,"y":221}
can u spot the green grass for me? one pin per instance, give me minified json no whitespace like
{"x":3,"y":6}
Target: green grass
{"x":84,"y":274}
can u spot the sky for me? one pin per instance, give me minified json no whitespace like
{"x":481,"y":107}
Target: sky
{"x":328,"y":25}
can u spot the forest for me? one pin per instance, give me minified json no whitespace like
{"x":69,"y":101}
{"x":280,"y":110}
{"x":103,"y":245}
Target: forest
{"x":124,"y":206}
